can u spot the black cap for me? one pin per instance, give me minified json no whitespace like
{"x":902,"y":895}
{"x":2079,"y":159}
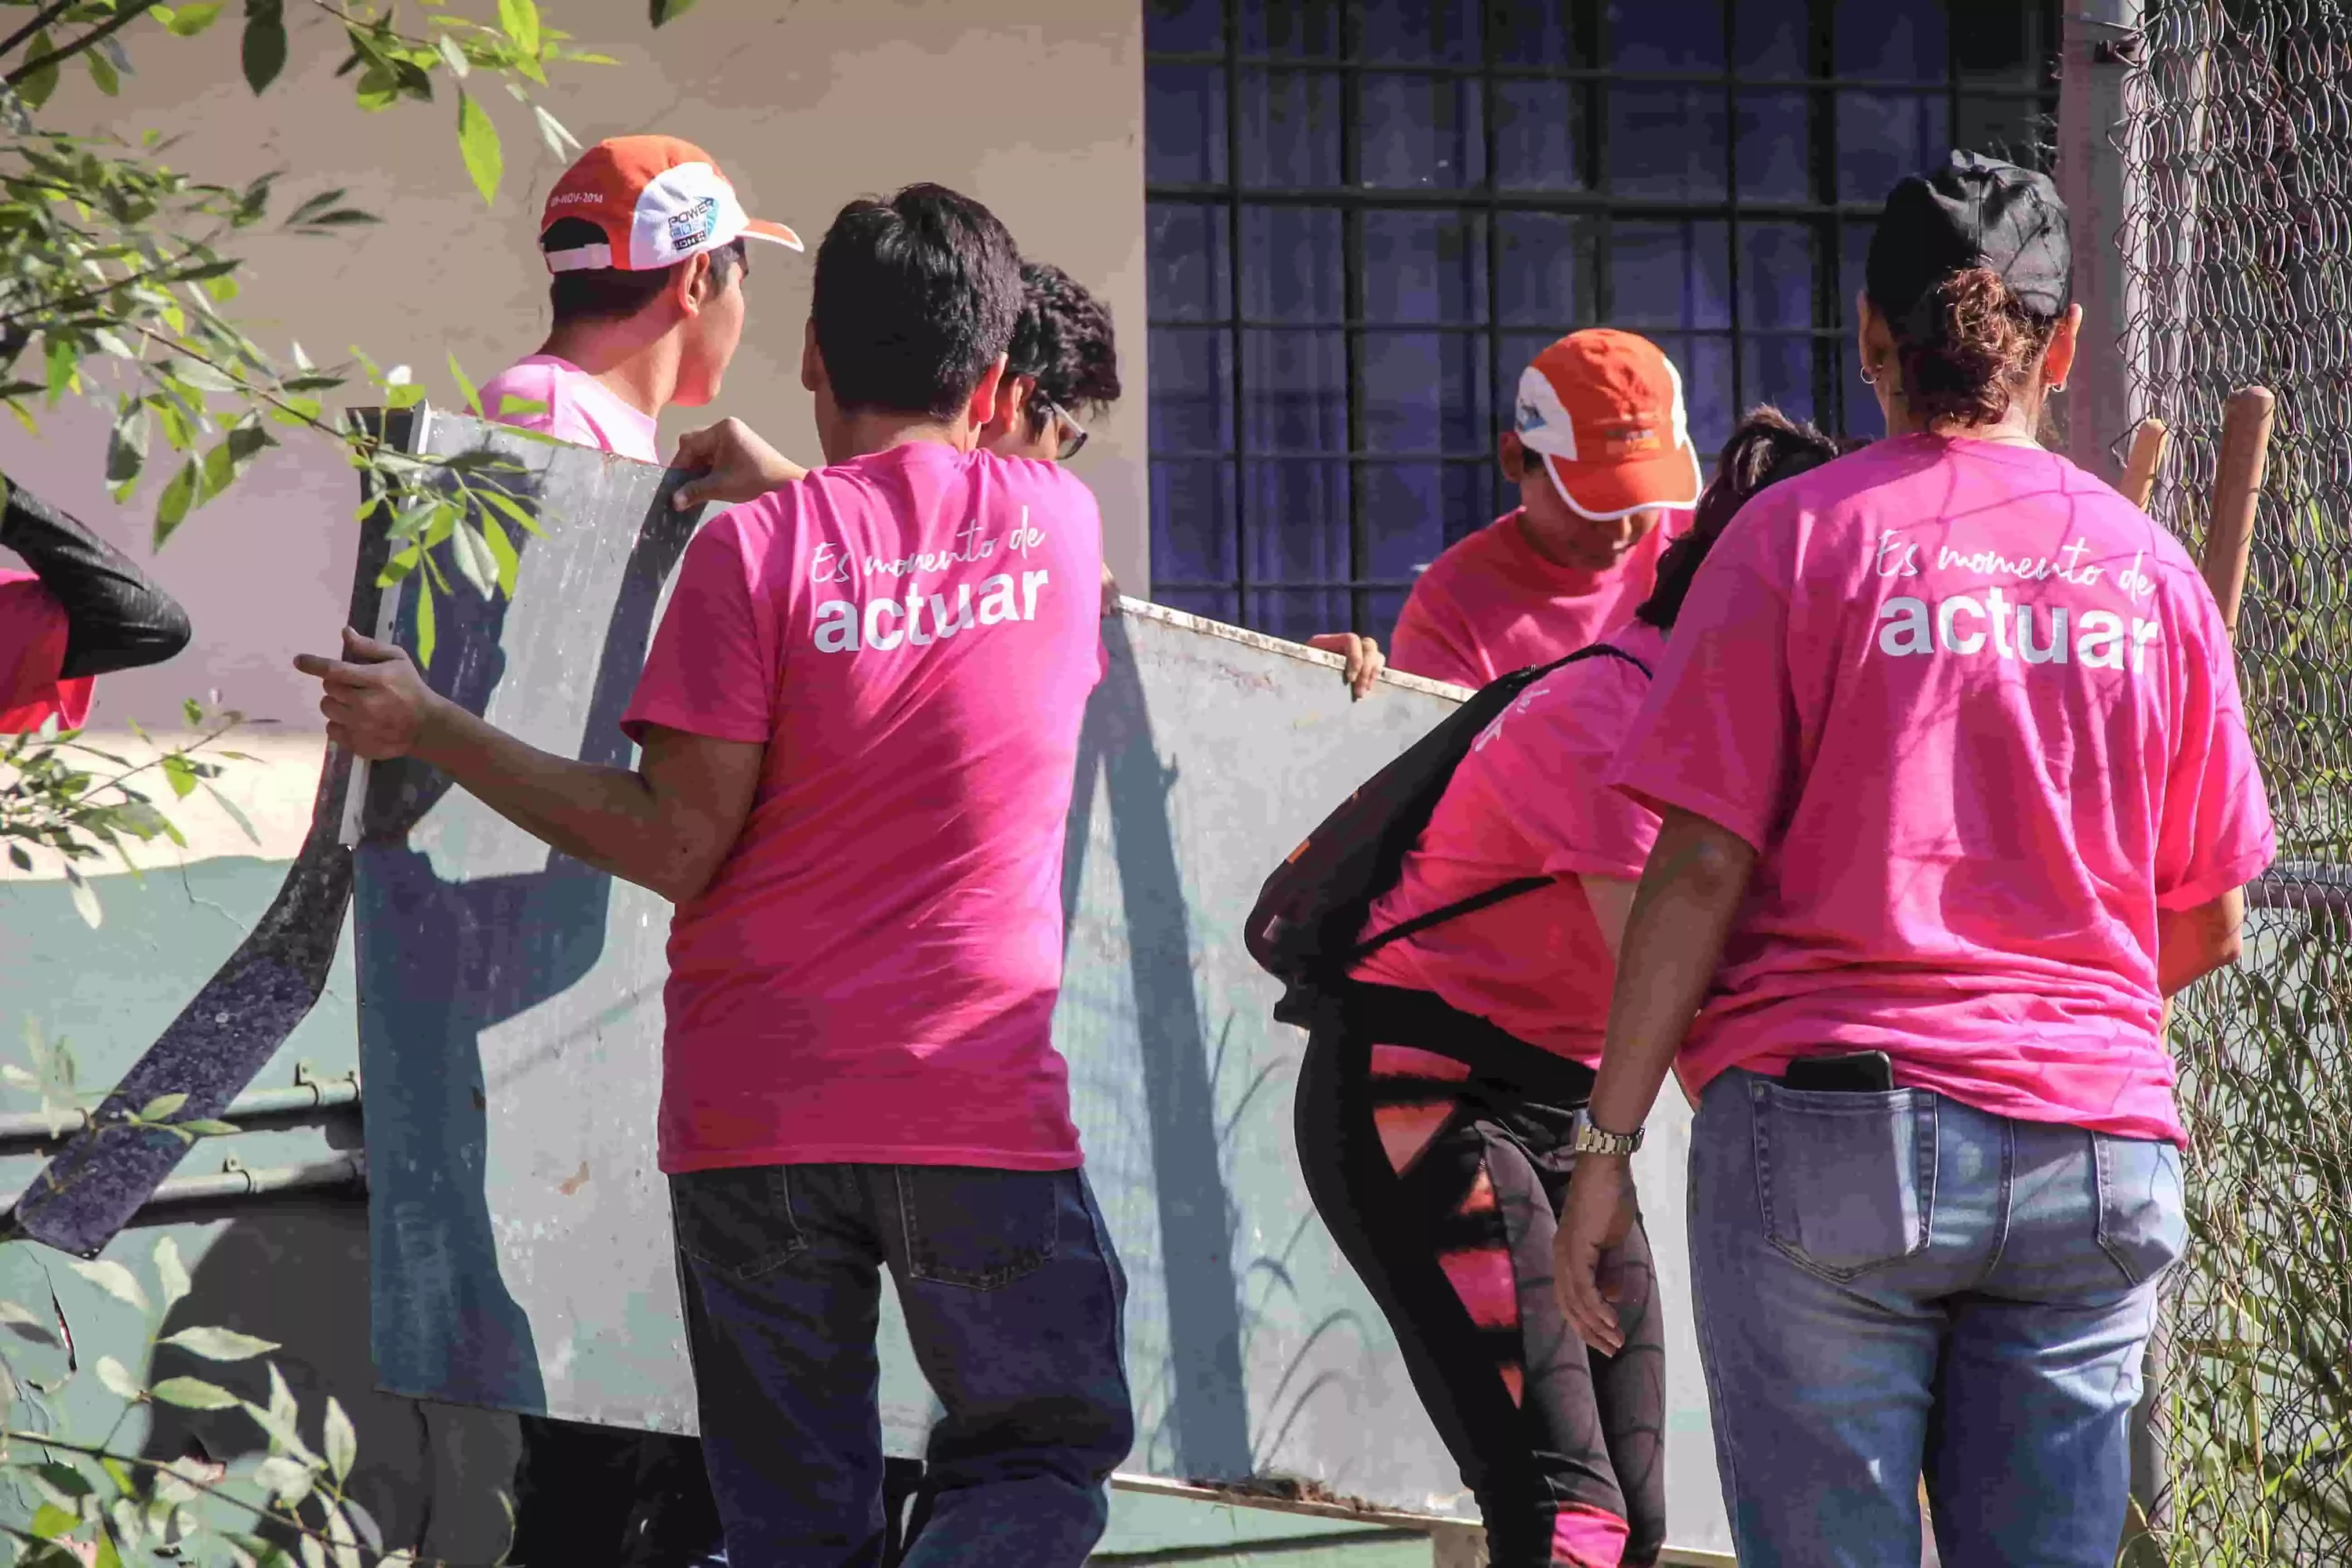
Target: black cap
{"x":1974,"y":212}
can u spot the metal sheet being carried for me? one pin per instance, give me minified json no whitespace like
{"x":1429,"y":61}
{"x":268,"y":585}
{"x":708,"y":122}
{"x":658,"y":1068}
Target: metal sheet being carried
{"x":511,"y":1023}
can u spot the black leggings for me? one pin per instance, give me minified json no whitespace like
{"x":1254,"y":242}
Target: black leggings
{"x":1441,"y":1170}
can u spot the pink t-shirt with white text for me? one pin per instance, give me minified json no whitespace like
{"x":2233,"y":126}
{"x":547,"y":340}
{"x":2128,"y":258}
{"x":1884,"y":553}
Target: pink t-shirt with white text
{"x":575,"y":407}
{"x":1529,"y":800}
{"x":870,"y":976}
{"x":32,"y":652}
{"x":1490,"y":605}
{"x":1979,"y":717}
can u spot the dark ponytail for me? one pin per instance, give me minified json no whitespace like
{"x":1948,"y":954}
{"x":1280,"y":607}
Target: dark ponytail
{"x":1767,"y":448}
{"x":1967,"y":349}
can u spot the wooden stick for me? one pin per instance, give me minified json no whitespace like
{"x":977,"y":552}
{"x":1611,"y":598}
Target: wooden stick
{"x":2237,"y":487}
{"x":2148,"y":443}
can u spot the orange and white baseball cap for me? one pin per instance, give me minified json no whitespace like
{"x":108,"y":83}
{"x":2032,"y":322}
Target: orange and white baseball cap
{"x":658,"y":200}
{"x":1605,"y":409}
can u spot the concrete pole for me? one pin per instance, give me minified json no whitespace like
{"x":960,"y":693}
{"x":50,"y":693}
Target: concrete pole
{"x":2098,"y":184}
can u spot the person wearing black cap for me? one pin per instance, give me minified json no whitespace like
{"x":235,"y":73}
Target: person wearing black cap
{"x":84,"y":610}
{"x":1956,"y":790}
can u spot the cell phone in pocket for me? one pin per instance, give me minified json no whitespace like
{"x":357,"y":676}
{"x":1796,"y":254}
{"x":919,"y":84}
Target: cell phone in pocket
{"x":1855,"y":1072}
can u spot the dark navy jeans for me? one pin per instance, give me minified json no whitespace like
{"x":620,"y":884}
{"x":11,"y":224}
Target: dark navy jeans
{"x":1013,"y":1298}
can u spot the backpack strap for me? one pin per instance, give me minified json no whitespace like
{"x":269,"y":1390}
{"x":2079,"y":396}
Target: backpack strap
{"x":1513,"y":888}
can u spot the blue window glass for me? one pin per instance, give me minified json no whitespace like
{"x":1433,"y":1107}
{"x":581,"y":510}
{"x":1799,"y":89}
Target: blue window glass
{"x":1183,"y":26}
{"x":1367,"y":217}
{"x":1539,"y":134}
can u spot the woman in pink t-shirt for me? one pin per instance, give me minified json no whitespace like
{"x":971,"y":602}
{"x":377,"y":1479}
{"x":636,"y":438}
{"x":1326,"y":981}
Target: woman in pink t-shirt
{"x":1957,"y":789}
{"x":1433,"y":1123}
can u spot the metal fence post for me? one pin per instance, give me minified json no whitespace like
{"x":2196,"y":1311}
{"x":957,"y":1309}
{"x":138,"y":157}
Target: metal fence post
{"x":2095,"y":178}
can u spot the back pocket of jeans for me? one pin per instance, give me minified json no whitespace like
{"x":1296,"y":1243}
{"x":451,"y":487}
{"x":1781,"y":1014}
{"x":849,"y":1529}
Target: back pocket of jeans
{"x":981,"y":1230}
{"x":1846,"y":1180}
{"x":2143,"y":1218}
{"x":736,"y":1220}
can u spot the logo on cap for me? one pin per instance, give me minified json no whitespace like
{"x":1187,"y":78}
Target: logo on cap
{"x":694,"y":225}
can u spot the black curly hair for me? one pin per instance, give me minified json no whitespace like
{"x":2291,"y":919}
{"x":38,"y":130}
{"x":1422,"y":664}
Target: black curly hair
{"x":1767,"y":448}
{"x":1063,"y":338}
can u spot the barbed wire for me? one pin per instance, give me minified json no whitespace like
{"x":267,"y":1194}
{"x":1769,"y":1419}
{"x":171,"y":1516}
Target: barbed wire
{"x":2237,"y":140}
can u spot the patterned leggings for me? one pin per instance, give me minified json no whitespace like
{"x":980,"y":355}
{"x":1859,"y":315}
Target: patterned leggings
{"x":1441,"y":1174}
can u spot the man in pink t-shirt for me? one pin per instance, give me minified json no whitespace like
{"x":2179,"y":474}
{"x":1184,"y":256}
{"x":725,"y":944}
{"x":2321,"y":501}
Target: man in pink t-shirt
{"x":859,"y":725}
{"x":645,"y":239}
{"x":1602,"y":452}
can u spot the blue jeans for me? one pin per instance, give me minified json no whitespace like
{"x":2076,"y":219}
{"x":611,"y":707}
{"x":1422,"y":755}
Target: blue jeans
{"x":1013,"y":1300}
{"x":1893,"y":1285}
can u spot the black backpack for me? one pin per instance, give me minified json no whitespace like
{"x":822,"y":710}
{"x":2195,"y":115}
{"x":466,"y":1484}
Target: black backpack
{"x":1303,"y":928}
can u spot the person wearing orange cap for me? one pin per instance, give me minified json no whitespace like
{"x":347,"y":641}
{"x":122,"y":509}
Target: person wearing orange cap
{"x":1602,"y":452}
{"x":645,"y":240}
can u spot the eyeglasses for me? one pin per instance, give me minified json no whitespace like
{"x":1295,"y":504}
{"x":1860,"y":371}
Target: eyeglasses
{"x":1074,"y":434}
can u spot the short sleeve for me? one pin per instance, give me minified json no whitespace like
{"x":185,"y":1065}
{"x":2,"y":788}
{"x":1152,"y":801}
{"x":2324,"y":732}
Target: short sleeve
{"x":33,"y":632}
{"x":1551,"y":763}
{"x":714,"y":665}
{"x":1718,"y":734}
{"x":1423,"y":645}
{"x":2214,"y":833}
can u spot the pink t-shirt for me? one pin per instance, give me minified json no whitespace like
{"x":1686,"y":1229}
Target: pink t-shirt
{"x":1490,"y":605}
{"x":1529,"y":800}
{"x":32,"y":652}
{"x":577,"y":407}
{"x":1980,"y":717}
{"x":871,"y":975}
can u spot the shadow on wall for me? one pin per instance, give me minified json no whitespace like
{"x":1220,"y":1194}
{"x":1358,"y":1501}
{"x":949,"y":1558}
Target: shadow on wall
{"x":1208,"y":1408}
{"x":296,"y":1273}
{"x":467,"y":956}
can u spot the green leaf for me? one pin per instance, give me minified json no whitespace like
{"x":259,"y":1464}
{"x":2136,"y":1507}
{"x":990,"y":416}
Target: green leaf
{"x":64,"y":367}
{"x":342,"y":1444}
{"x":502,"y":551}
{"x":171,"y":1273}
{"x":161,"y":1108}
{"x":670,"y":10}
{"x":19,"y":859}
{"x":559,"y":141}
{"x":172,"y":506}
{"x":103,"y":73}
{"x":112,"y":1278}
{"x":513,"y":509}
{"x":188,"y":21}
{"x":424,"y":637}
{"x":51,"y":1522}
{"x":521,"y":20}
{"x":126,"y":444}
{"x":219,"y":1344}
{"x":117,"y":1379}
{"x":453,"y":58}
{"x":181,"y":775}
{"x":193,"y":712}
{"x":36,"y":88}
{"x":195,"y":1394}
{"x":85,"y":898}
{"x":478,"y":142}
{"x":475,"y":559}
{"x":235,"y":813}
{"x":466,"y":388}
{"x":205,"y":1128}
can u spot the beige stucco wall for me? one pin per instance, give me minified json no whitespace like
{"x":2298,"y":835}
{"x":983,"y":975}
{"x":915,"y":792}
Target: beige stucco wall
{"x":1033,"y":106}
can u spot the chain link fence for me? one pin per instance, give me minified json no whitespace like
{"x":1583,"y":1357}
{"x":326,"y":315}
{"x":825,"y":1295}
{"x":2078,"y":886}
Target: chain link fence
{"x":2237,"y":143}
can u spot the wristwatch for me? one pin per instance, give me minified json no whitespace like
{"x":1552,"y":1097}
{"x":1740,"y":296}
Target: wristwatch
{"x":1587,"y":1139}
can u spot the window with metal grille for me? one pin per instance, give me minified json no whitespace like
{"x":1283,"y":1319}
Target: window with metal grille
{"x":1367,"y":216}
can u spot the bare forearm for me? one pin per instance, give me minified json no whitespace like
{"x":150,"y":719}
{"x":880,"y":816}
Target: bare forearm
{"x":605,"y":818}
{"x":2192,"y":944}
{"x":1682,"y":913}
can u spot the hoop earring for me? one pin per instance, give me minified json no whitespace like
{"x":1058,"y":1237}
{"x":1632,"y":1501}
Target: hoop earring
{"x":1869,"y":376}
{"x":2057,"y":386}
